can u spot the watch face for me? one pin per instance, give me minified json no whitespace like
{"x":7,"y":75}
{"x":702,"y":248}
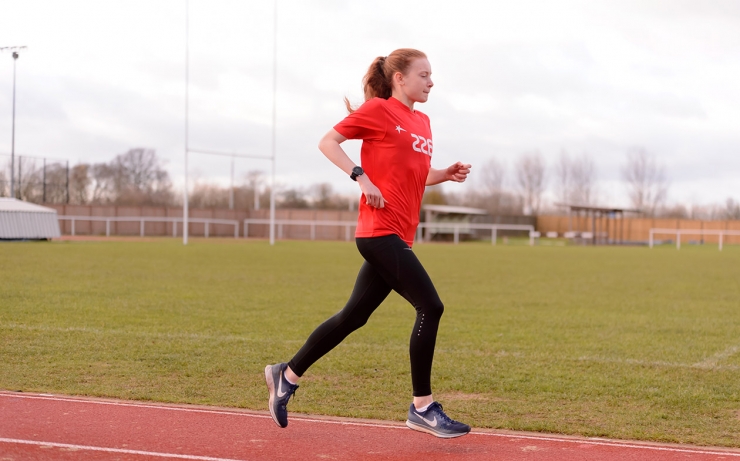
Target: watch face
{"x":357,"y":171}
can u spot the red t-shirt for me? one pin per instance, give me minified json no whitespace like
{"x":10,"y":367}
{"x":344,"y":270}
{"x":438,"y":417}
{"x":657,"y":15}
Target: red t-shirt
{"x":396,"y":155}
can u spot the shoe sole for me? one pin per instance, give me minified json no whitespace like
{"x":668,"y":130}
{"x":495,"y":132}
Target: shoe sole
{"x":441,"y":435}
{"x":271,"y":389}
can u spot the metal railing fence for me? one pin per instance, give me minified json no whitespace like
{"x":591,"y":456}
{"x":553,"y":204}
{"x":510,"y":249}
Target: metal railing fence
{"x":456,"y":228}
{"x":494,"y":228}
{"x":144,"y":219}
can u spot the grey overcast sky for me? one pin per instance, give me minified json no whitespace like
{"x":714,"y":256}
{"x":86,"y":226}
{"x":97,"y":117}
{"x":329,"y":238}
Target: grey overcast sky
{"x":102,"y":76}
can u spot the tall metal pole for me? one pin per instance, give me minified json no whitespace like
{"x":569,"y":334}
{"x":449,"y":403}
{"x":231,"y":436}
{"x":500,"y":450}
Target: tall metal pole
{"x":274,"y":123}
{"x":12,"y":136}
{"x":67,"y":185}
{"x":231,"y":189}
{"x":187,"y":68}
{"x":20,"y":177}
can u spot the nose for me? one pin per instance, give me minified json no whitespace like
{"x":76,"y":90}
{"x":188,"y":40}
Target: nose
{"x":431,"y":83}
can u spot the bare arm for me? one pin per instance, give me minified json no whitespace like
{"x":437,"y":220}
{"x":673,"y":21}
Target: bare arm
{"x":457,"y":172}
{"x":330,"y":147}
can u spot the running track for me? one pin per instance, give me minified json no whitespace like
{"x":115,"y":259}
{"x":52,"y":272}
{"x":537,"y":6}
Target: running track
{"x":46,"y":427}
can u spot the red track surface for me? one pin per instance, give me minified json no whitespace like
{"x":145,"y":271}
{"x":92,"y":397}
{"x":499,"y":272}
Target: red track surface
{"x":45,"y":427}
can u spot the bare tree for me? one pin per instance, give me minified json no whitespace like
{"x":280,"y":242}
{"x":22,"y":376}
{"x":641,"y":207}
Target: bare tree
{"x":646,"y":181}
{"x":293,"y":198}
{"x":56,"y":183}
{"x":138,"y":178}
{"x":254,"y":180}
{"x":493,"y":175}
{"x":732,"y":209}
{"x":563,"y":184}
{"x":576,"y":179}
{"x":79,"y":184}
{"x":583,"y":180}
{"x":102,"y":180}
{"x":3,"y":184}
{"x":531,"y":178}
{"x":323,"y":197}
{"x":206,"y":195}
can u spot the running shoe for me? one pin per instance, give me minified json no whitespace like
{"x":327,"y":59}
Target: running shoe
{"x":280,"y":391}
{"x":434,"y":421}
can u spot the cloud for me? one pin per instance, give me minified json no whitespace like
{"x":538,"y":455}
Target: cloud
{"x":595,"y":77}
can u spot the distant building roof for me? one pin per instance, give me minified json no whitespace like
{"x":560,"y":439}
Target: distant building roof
{"x":579,"y":207}
{"x":449,"y":209}
{"x":23,"y":220}
{"x":11,"y":204}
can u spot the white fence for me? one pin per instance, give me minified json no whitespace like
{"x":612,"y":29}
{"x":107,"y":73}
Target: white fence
{"x":280,"y":223}
{"x":702,"y":232}
{"x":145,"y":219}
{"x":494,"y":228}
{"x":457,"y":229}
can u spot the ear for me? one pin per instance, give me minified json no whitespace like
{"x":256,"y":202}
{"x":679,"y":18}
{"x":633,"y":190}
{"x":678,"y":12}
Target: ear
{"x":398,"y":79}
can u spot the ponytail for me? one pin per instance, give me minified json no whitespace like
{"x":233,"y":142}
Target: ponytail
{"x":378,"y":81}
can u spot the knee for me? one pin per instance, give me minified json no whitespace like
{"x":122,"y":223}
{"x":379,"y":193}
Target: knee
{"x":434,"y":309}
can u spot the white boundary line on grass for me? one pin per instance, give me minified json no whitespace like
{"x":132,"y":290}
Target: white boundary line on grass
{"x":711,"y":362}
{"x":589,"y":441}
{"x":112,"y":450}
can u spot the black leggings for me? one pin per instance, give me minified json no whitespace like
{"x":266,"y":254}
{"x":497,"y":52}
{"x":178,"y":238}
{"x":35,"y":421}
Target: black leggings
{"x":389,"y":265}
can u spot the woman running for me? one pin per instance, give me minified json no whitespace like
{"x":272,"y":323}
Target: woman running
{"x":396,"y":166}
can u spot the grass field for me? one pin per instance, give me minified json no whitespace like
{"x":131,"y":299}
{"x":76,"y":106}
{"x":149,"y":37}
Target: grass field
{"x":618,"y":342}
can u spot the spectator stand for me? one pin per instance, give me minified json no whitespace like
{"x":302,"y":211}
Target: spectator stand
{"x":596,"y":225}
{"x":459,"y":218}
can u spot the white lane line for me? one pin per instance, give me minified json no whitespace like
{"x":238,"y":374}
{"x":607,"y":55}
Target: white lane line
{"x":613,"y":444}
{"x":597,"y":442}
{"x":125,"y":404}
{"x":113,"y":450}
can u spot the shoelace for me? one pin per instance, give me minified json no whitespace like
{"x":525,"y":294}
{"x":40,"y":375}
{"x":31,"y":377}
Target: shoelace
{"x":444,"y":415}
{"x":291,"y":393}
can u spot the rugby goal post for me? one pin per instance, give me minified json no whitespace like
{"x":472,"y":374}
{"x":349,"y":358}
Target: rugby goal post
{"x":188,"y":150}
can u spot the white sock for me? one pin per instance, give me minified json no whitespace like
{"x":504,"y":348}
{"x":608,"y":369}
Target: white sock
{"x":289,"y":381}
{"x":422,"y":409}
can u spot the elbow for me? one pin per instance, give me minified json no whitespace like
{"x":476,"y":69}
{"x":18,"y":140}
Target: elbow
{"x":324,"y":144}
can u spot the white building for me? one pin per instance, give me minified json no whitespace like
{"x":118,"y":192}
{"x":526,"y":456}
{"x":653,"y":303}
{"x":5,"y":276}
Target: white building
{"x":21,"y":220}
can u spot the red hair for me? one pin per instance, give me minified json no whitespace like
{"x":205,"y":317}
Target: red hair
{"x":378,"y":81}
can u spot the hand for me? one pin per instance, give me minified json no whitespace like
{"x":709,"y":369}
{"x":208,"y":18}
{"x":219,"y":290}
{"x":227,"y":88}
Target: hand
{"x":457,"y":172}
{"x":373,"y":196}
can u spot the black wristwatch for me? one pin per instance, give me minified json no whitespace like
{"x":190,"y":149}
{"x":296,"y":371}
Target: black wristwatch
{"x":356,"y":171}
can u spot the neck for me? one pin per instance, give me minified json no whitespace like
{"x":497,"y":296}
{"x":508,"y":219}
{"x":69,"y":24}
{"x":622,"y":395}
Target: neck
{"x":404,"y":99}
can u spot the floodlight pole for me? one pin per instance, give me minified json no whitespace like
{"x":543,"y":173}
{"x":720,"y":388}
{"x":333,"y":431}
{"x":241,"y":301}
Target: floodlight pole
{"x":231,"y":188}
{"x":12,"y":136}
{"x":274,"y":123}
{"x":187,"y":98}
{"x":15,"y":50}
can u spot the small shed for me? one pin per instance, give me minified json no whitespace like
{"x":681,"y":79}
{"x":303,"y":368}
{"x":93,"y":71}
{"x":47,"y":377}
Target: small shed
{"x":436,"y":216}
{"x":21,"y":220}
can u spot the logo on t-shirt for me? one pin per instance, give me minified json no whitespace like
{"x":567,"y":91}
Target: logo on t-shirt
{"x":425,"y":147}
{"x":399,"y":129}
